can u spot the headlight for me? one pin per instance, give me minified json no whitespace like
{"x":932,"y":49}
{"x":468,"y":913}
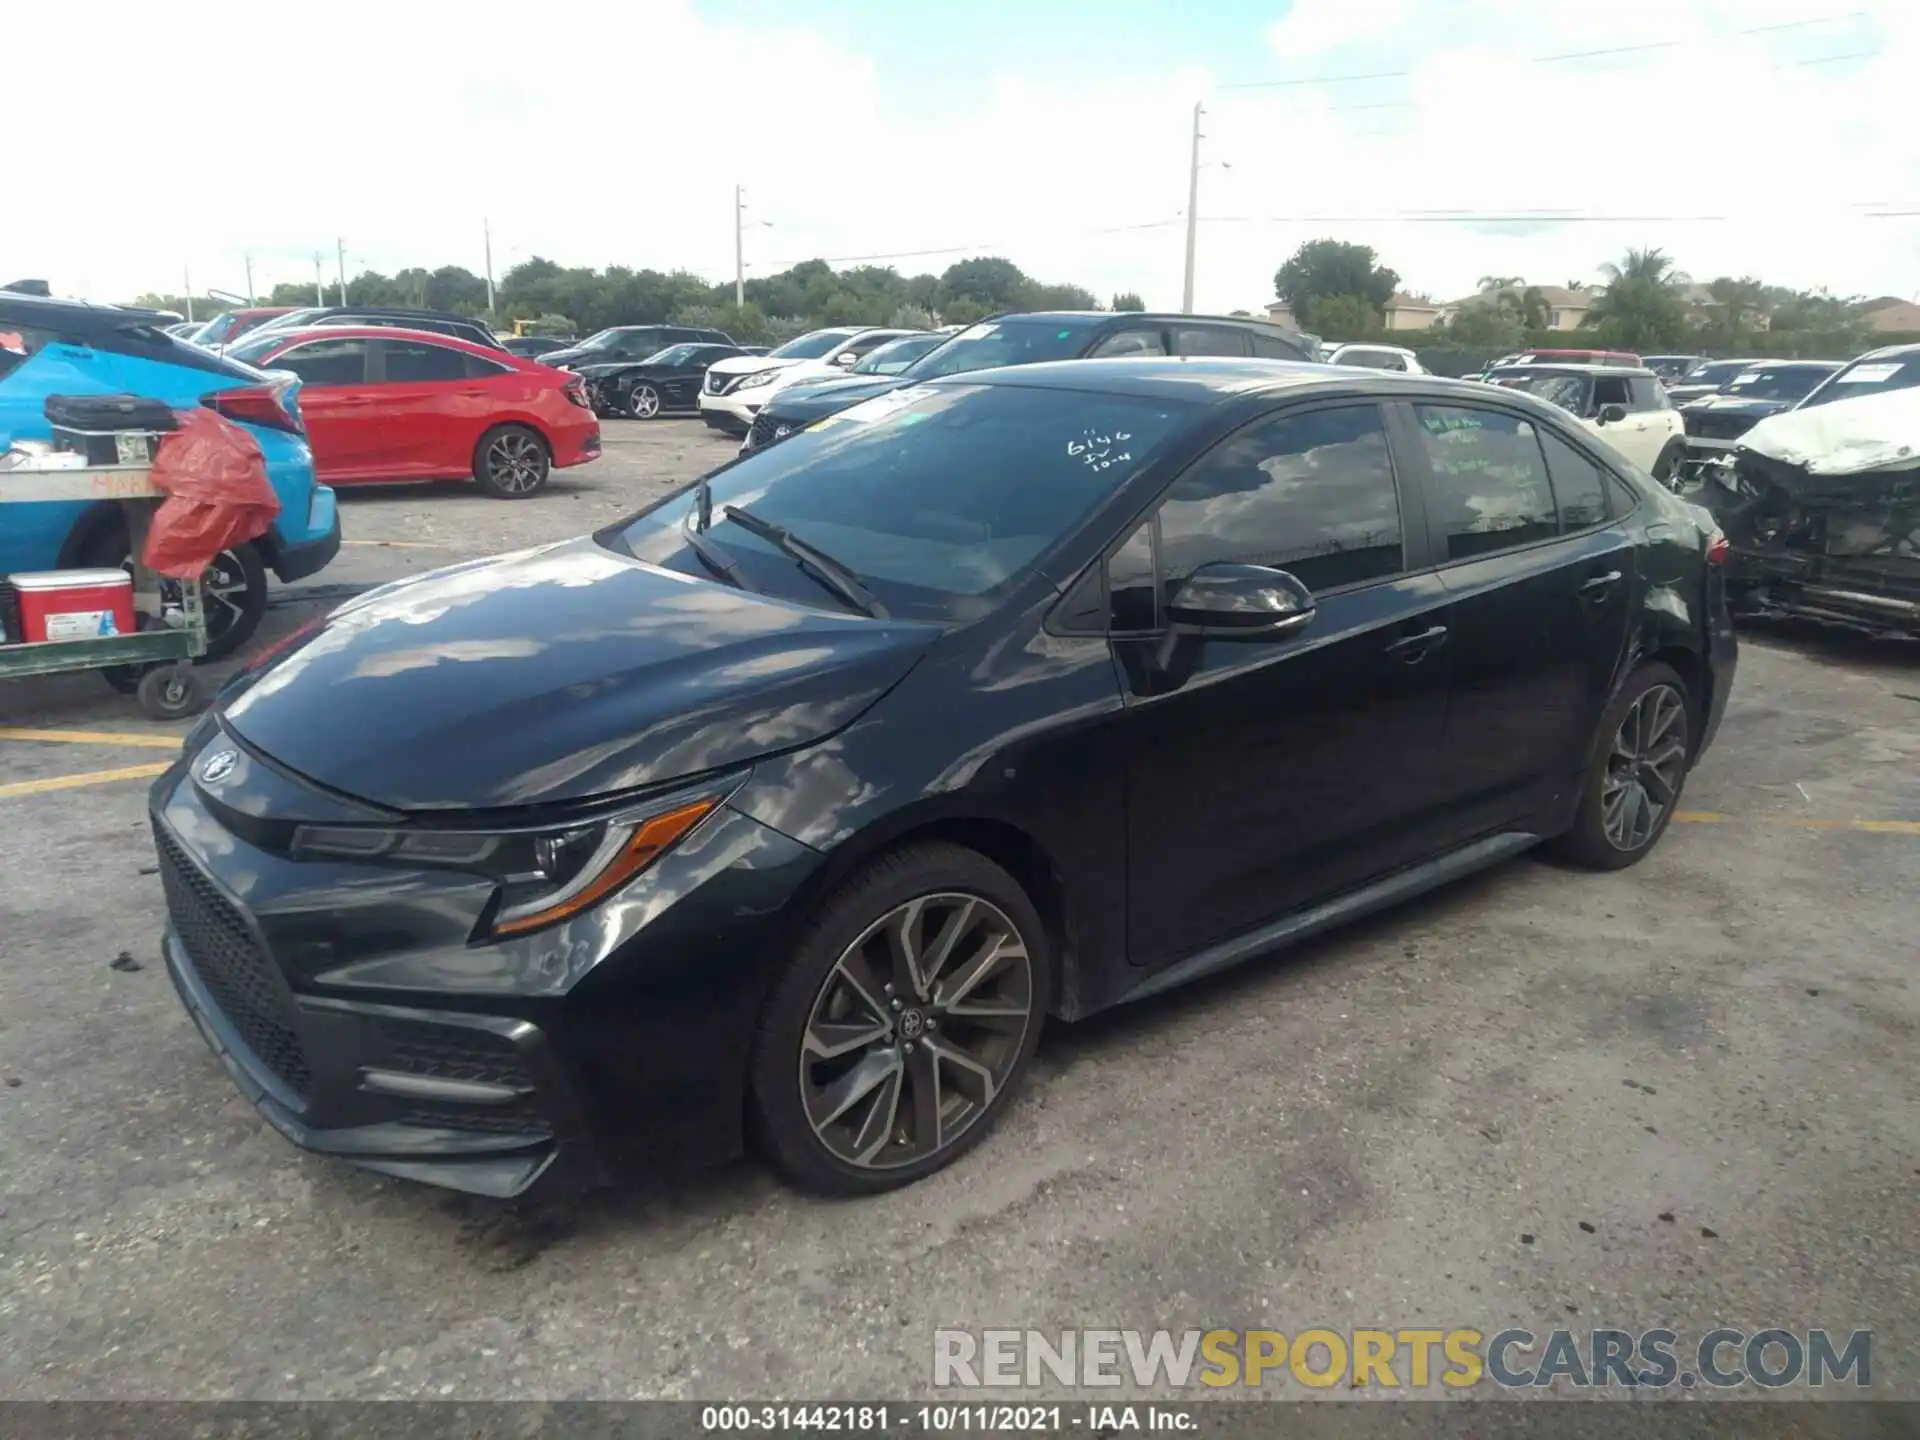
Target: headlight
{"x":757,"y":379}
{"x":544,"y":875}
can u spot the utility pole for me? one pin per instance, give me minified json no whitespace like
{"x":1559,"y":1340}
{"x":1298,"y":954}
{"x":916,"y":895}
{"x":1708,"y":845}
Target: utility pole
{"x":319,"y":284}
{"x":340,"y":250}
{"x":739,"y":251}
{"x":250,"y":295}
{"x":186,"y":277}
{"x":486,"y":235}
{"x":1193,"y":210}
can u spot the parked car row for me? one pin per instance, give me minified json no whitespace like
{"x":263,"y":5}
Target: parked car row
{"x":335,"y":396}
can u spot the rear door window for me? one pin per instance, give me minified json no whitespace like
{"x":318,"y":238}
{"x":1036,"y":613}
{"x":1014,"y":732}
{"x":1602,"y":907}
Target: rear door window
{"x":414,"y":362}
{"x":1135,"y":340}
{"x":1209,"y":340}
{"x":1490,"y":491}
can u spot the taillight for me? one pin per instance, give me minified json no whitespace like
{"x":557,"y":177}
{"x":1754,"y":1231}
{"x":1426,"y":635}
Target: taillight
{"x":576,"y":390}
{"x":268,"y":405}
{"x":1718,"y":549}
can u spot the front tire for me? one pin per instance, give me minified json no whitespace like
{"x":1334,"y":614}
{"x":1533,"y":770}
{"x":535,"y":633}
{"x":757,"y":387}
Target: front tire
{"x":1633,"y":787}
{"x":903,"y":1023}
{"x":643,"y":402}
{"x":512,"y":462}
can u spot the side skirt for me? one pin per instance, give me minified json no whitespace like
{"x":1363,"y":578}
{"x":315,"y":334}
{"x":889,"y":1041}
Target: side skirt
{"x":1298,"y":926}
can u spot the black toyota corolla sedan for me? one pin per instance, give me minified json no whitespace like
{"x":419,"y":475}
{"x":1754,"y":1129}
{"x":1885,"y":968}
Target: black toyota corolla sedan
{"x":795,"y":804}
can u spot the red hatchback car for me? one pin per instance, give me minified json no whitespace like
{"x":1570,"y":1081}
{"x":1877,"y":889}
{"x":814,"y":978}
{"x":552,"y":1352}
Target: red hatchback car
{"x":386,"y":405}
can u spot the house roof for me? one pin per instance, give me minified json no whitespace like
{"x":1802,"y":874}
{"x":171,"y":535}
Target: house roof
{"x":1880,"y":302}
{"x":1403,"y":301}
{"x":1552,"y":294}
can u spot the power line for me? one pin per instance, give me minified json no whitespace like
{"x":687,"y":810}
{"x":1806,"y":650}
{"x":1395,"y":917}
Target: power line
{"x":1567,"y":55}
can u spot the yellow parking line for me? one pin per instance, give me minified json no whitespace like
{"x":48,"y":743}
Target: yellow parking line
{"x":70,"y":782}
{"x":94,"y":737}
{"x":1872,"y":827}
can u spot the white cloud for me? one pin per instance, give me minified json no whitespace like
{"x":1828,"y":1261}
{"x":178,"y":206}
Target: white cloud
{"x":1312,"y":26}
{"x":521,"y":123}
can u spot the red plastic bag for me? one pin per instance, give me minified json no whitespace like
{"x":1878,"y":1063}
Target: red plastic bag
{"x":218,"y":496}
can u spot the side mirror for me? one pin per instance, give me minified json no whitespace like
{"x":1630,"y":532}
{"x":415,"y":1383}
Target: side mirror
{"x":845,"y":357}
{"x":1241,"y":602}
{"x":1612,"y":414}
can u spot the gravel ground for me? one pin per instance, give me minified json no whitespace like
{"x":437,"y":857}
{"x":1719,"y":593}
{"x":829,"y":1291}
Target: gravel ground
{"x":1683,"y":1095}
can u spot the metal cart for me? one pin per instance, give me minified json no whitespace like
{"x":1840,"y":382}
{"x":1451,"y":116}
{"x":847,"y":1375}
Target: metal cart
{"x":156,"y":663}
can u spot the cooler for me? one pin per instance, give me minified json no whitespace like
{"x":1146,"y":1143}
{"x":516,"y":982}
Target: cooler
{"x":73,"y":604}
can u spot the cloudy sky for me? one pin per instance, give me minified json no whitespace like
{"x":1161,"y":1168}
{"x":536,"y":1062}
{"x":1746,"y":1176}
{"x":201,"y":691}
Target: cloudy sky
{"x":1771,"y":137}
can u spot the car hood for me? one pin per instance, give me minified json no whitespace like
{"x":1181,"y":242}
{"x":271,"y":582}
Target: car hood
{"x":558,"y":673}
{"x":750,"y":364}
{"x":1734,"y":405}
{"x":1686,"y":394}
{"x":809,"y":400}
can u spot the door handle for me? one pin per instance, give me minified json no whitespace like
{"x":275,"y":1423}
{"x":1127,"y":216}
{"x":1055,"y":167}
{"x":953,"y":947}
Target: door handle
{"x":1600,"y":586}
{"x":1414,"y":648}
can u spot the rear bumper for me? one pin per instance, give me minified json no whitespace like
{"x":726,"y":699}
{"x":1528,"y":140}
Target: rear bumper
{"x":308,"y":556}
{"x":576,"y":444}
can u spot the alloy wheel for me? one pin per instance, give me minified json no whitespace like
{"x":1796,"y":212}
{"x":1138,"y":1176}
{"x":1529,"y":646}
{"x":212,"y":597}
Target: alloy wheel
{"x":916,"y":1029}
{"x":644,"y":402}
{"x":516,"y":463}
{"x":1645,"y":767}
{"x":223,"y":593}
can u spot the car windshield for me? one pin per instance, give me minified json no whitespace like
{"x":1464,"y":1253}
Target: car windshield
{"x":672,"y":355}
{"x":216,"y":329}
{"x":1777,"y":382}
{"x":1868,"y":376}
{"x":811,"y":346}
{"x":1718,"y":372}
{"x":254,"y":347}
{"x":1669,"y":367}
{"x":1004,"y":342}
{"x":599,"y":340}
{"x":896,"y":355}
{"x":939,"y":498}
{"x":292,"y":320}
{"x":1569,"y":392}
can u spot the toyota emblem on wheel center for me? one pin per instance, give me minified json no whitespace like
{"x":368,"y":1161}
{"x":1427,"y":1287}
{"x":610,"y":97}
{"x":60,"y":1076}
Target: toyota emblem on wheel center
{"x":219,"y":765}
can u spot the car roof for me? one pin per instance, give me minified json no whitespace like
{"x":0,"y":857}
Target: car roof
{"x":303,"y":333}
{"x":1573,"y":367}
{"x":1208,"y":379}
{"x":1886,"y":352}
{"x":74,"y":317}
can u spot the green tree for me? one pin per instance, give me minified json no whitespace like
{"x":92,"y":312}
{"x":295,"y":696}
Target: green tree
{"x":1733,"y":314}
{"x":1058,"y":297}
{"x":1128,"y":300}
{"x":1322,"y":270}
{"x":1485,"y":327}
{"x":1533,"y":307}
{"x":1641,"y":307}
{"x":1345,"y":317}
{"x":984,"y":284}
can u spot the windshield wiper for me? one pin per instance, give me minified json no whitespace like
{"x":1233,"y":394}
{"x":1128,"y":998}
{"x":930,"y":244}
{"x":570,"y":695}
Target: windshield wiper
{"x":715,"y":559}
{"x":810,"y":558}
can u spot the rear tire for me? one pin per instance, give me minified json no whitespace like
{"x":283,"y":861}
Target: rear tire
{"x":924,"y":1069}
{"x":1633,"y":786}
{"x":233,"y":589}
{"x":512,"y":462}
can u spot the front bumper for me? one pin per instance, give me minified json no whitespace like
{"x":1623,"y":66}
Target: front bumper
{"x":365,"y":1015}
{"x":471,"y":1102}
{"x":733,"y":412}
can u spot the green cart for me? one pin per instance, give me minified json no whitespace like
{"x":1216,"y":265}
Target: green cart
{"x":156,"y":663}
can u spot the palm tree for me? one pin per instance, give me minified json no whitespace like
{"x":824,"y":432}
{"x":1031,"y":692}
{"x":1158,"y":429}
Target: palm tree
{"x":1652,"y":265}
{"x":1499,"y":282}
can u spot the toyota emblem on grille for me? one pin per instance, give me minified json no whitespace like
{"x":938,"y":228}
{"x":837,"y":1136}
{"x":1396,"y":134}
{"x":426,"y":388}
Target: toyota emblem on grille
{"x":219,"y":765}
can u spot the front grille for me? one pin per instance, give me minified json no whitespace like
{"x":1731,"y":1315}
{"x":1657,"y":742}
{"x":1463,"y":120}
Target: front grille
{"x":232,"y":966}
{"x":516,"y":1119}
{"x":1712,"y":425}
{"x":762,"y":431}
{"x":716,"y":382}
